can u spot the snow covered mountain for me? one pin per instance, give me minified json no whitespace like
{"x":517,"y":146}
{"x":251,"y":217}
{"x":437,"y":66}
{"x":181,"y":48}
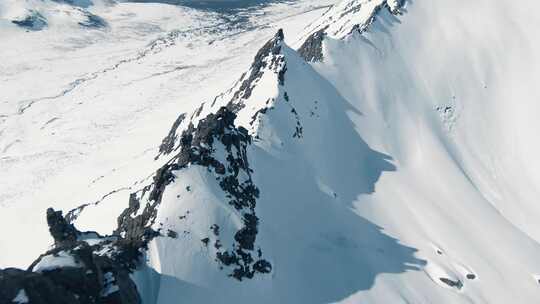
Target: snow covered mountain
{"x":384,"y":152}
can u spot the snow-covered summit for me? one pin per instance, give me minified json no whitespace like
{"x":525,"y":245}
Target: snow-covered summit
{"x":267,"y":66}
{"x":347,"y":17}
{"x":344,"y":19}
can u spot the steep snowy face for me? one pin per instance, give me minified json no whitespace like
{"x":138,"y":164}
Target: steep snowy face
{"x":444,"y":89}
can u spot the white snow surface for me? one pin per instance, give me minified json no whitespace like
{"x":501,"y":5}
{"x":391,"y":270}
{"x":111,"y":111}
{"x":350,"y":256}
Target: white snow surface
{"x":55,"y":261}
{"x":414,"y":179}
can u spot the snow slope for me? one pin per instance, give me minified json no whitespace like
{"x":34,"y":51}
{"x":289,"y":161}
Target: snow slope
{"x":384,"y":153}
{"x":444,"y":90}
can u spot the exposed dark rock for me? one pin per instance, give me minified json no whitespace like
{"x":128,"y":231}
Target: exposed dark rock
{"x":215,"y":229}
{"x":61,"y":231}
{"x":260,"y":111}
{"x":172,"y":234}
{"x":311,"y":50}
{"x":37,"y":287}
{"x":167,"y":144}
{"x":268,"y":56}
{"x":262,"y":266}
{"x":247,"y":235}
{"x":183,"y":217}
{"x":138,"y":229}
{"x":100,"y":273}
{"x":471,"y":276}
{"x":361,"y":28}
{"x":298,"y":130}
{"x":197,"y":148}
{"x":457,"y":284}
{"x":398,"y":9}
{"x":199,"y":110}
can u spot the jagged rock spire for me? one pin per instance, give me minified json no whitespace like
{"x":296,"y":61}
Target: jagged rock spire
{"x":60,"y":229}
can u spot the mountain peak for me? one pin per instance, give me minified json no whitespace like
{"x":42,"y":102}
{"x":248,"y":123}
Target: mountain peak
{"x":349,"y":16}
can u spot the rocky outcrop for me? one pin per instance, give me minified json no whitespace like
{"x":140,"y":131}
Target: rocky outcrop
{"x":167,"y":144}
{"x":36,"y":288}
{"x":197,"y":145}
{"x":234,"y":177}
{"x":62,"y":232}
{"x":346,"y":18}
{"x":82,"y":268}
{"x":233,"y":174}
{"x":312,"y":49}
{"x":268,"y":57}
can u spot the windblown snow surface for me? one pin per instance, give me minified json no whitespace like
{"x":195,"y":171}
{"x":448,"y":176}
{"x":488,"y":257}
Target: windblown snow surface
{"x":375,"y":151}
